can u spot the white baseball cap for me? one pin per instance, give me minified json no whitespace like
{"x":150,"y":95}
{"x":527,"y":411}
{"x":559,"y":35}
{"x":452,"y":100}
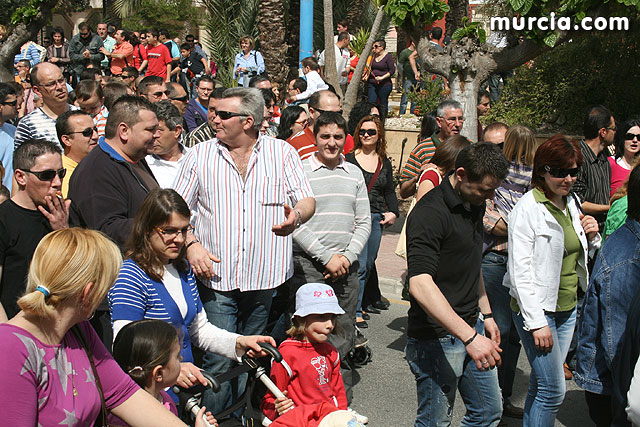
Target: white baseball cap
{"x":316,"y":298}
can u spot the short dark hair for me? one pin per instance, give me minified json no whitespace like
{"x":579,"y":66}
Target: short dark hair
{"x":90,"y":73}
{"x":382,"y":43}
{"x":126,"y":110}
{"x":168,"y":113}
{"x":186,"y":46}
{"x":154,"y":32}
{"x":289,"y":117}
{"x":343,"y":36}
{"x":131,"y":71}
{"x":268,"y":96}
{"x":258,"y":79}
{"x":329,"y":118}
{"x":26,"y":154}
{"x":189,"y":37}
{"x":62,"y":122}
{"x":436,"y":33}
{"x":596,"y":118}
{"x":310,"y":62}
{"x":112,"y":91}
{"x":87,"y":88}
{"x":482,"y":160}
{"x":149,"y":81}
{"x":207,"y":79}
{"x":633,"y":194}
{"x":5,"y":90}
{"x":343,"y":22}
{"x":165,"y":33}
{"x":300,"y":84}
{"x":482,"y":94}
{"x":557,"y":152}
{"x":84,"y":26}
{"x":447,"y":152}
{"x":126,"y":35}
{"x":57,"y":30}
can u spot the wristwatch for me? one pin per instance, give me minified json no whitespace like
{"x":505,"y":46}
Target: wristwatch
{"x":299,"y":217}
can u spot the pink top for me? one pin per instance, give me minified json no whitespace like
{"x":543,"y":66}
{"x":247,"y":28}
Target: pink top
{"x":619,"y":175}
{"x":39,"y":379}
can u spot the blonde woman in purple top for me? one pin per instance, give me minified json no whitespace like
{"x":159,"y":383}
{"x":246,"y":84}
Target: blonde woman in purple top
{"x":48,"y":377}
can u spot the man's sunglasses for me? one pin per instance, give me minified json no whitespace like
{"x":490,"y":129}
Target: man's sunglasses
{"x":47,"y":175}
{"x":370,"y":132}
{"x":630,"y":136}
{"x":562,"y":172}
{"x":159,"y":93}
{"x":226,"y":115}
{"x":10,"y":103}
{"x":87,"y":132}
{"x":181,"y":99}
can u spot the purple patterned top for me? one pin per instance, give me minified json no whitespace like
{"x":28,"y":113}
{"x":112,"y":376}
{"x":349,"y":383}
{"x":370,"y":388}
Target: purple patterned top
{"x":53,"y":385}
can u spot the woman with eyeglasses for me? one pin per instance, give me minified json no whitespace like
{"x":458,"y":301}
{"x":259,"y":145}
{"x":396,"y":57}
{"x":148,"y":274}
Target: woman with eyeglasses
{"x":294,"y":119}
{"x":370,"y":155}
{"x":156,"y":282}
{"x":383,"y":67}
{"x":549,"y":242}
{"x":627,"y":143}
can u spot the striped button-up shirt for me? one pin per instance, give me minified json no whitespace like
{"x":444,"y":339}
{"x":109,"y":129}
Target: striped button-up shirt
{"x":233,"y":217}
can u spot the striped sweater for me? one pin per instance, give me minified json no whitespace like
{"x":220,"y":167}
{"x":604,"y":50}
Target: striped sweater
{"x":342,"y":221}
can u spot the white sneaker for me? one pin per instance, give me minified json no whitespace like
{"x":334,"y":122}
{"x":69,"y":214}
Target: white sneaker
{"x":359,"y":417}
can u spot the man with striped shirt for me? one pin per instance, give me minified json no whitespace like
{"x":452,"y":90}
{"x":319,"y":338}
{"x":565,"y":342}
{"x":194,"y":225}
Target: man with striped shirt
{"x":48,"y":83}
{"x":327,"y":247}
{"x":450,"y":119}
{"x":248,"y":193}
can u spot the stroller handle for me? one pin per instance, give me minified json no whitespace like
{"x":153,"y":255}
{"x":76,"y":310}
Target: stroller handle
{"x":212,"y":383}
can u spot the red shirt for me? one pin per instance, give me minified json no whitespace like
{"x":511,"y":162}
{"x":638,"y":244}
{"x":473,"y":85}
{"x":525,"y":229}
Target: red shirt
{"x":305,"y":143}
{"x":159,"y":57}
{"x":139,"y":55}
{"x":117,"y":64}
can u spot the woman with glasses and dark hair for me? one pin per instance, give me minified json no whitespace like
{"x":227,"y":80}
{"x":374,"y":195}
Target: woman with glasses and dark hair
{"x":370,"y":155}
{"x":549,"y":241}
{"x":156,"y":282}
{"x":294,"y":119}
{"x":627,"y":143}
{"x":383,"y":67}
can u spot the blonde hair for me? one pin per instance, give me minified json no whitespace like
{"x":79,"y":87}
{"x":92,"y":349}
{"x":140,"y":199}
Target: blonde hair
{"x":64,"y":262}
{"x":298,"y":328}
{"x":247,"y":38}
{"x":520,"y":145}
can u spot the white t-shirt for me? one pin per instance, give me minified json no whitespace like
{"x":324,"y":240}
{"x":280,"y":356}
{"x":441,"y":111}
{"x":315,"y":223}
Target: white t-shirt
{"x":342,"y":59}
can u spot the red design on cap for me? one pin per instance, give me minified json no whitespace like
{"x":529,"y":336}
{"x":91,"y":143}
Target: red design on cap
{"x":329,"y":292}
{"x":317,"y":293}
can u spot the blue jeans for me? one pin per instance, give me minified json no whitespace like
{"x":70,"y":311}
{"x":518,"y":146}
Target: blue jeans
{"x":368,"y":257}
{"x":379,"y":94}
{"x":408,"y":86}
{"x":494,"y":267}
{"x":441,"y":366}
{"x":245,"y":313}
{"x":546,"y":382}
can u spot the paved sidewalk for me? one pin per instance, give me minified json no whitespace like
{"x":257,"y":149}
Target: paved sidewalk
{"x":391,"y":268}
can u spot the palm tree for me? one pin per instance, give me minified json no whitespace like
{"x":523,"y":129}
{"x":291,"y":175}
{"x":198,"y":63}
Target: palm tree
{"x":271,"y":25}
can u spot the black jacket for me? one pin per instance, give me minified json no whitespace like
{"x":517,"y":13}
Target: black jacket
{"x":106,"y":192}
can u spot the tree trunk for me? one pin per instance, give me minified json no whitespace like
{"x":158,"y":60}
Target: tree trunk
{"x":330,"y":70}
{"x":351,"y":96}
{"x":354,"y":15}
{"x":293,"y":38}
{"x":453,"y":19}
{"x":272,"y":39}
{"x":464,"y":89}
{"x":18,"y":35}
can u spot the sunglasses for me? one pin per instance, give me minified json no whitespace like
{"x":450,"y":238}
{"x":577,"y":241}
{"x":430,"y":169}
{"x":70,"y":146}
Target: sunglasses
{"x":10,"y":103}
{"x":159,"y":93}
{"x":87,"y":132}
{"x":370,"y":132}
{"x":47,"y":175}
{"x":562,"y":172}
{"x":630,"y":136}
{"x":181,"y":99}
{"x":226,"y":115}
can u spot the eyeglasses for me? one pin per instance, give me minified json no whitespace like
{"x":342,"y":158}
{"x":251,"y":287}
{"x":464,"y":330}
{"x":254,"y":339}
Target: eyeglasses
{"x":15,"y":103}
{"x":172,"y":233}
{"x":375,"y":46}
{"x":50,"y":85}
{"x":47,"y":175}
{"x":87,"y":132}
{"x":159,"y":93}
{"x":370,"y":132}
{"x":630,"y":136}
{"x":562,"y":172}
{"x":182,"y":98}
{"x":303,"y":122}
{"x":226,"y":115}
{"x":454,"y":119}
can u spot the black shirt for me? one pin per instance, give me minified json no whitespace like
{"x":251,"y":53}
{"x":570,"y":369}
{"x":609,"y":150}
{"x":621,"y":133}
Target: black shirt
{"x":20,"y":232}
{"x":382,"y":197}
{"x":444,"y":240}
{"x":193,"y":62}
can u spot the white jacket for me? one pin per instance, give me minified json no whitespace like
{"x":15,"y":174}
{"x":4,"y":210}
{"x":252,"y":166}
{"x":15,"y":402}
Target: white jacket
{"x":536,"y":249}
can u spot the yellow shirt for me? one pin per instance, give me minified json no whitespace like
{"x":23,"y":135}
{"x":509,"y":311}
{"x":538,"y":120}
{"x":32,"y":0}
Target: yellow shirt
{"x":70,"y":166}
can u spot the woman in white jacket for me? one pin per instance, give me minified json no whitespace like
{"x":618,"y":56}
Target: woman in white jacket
{"x":549,"y":241}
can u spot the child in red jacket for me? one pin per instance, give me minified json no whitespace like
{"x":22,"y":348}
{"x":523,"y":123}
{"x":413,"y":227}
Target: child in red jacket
{"x":309,"y":373}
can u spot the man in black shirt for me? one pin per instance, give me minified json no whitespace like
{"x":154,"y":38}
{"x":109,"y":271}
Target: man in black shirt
{"x":33,"y":211}
{"x":446,"y":347}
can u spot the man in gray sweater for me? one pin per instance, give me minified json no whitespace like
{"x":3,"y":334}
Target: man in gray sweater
{"x":326,"y":248}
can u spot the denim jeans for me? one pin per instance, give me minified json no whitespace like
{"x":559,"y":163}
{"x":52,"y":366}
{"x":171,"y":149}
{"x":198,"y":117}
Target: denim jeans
{"x":379,"y":94}
{"x":368,"y":257}
{"x":440,"y":367}
{"x":408,"y":86}
{"x":546,"y":381}
{"x":494,"y":267}
{"x":245,"y":313}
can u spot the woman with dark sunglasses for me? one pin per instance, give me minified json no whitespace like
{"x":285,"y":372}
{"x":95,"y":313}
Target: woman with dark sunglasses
{"x":627,"y":143}
{"x":370,"y":155}
{"x":156,"y":282}
{"x":549,"y":242}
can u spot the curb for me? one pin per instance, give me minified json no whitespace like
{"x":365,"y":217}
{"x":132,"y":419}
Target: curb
{"x":389,"y":286}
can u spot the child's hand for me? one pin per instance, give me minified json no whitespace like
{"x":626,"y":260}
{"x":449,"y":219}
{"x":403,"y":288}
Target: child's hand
{"x":283,"y":404}
{"x":208,"y":416}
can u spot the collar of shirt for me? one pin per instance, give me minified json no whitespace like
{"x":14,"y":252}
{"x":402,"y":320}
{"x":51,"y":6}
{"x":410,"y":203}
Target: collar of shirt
{"x":454,"y":201}
{"x":317,"y":164}
{"x":589,"y":156}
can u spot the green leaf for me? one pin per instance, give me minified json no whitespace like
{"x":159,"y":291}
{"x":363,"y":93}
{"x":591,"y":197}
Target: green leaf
{"x":517,"y":4}
{"x":458,"y":34}
{"x":482,"y":35}
{"x":550,"y":39}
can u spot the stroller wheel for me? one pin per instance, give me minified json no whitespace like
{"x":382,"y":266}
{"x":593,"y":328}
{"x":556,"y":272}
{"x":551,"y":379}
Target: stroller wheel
{"x":362,"y":355}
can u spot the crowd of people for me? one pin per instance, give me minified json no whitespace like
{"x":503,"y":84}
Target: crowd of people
{"x":152,"y":222}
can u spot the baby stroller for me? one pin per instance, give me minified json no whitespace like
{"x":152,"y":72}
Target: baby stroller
{"x":190,"y":399}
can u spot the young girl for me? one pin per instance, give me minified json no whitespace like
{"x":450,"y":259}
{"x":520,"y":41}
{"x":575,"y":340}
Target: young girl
{"x":309,"y":373}
{"x":149,"y":351}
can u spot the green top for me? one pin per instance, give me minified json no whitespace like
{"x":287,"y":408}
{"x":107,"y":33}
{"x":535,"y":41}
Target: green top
{"x":403,"y":60}
{"x":617,"y":216}
{"x":568,"y":288}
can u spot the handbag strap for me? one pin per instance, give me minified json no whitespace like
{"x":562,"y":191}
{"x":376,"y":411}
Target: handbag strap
{"x":80,"y":336}
{"x":375,"y":176}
